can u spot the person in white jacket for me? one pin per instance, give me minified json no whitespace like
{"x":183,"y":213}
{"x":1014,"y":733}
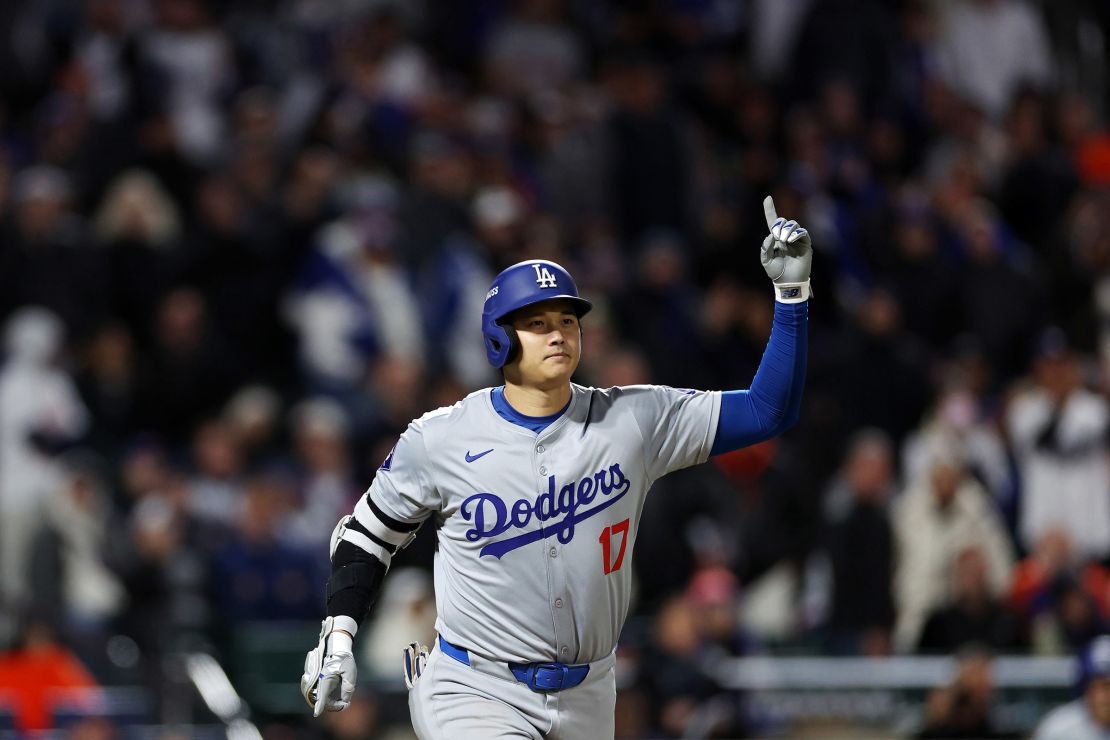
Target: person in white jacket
{"x":39,"y":407}
{"x":1058,"y":431}
{"x":942,"y":512}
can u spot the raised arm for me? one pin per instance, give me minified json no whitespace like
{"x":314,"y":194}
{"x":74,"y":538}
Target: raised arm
{"x":772,"y":403}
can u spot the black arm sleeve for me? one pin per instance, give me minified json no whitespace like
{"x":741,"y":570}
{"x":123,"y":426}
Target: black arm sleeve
{"x":356,"y":581}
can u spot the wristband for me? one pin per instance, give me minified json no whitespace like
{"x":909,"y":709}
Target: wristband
{"x":338,"y":642}
{"x":792,"y":292}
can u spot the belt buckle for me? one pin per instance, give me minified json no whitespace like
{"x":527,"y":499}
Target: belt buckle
{"x":554,"y":677}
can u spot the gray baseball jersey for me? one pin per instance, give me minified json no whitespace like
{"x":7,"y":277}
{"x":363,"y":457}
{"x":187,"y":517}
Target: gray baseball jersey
{"x":1072,"y":721}
{"x":536,"y":532}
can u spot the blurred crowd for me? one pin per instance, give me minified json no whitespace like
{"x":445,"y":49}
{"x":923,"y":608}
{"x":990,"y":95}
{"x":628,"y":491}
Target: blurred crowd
{"x":243,"y":243}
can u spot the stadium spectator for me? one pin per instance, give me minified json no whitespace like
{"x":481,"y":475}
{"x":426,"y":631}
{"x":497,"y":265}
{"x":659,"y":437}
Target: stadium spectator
{"x":1085,"y":140}
{"x":962,"y":709}
{"x":974,"y":615}
{"x":1073,"y":619}
{"x":939,"y":515}
{"x":988,"y":48}
{"x":679,"y":682}
{"x":696,"y":521}
{"x":714,"y":594}
{"x":862,"y":61}
{"x":327,"y":489}
{"x":1032,"y":157}
{"x":353,"y":302}
{"x":108,"y":384}
{"x":189,"y":372}
{"x":139,"y":226}
{"x":922,"y":277}
{"x":657,"y":311}
{"x":1052,"y":562}
{"x":253,"y":419}
{"x":194,"y":61}
{"x":1061,"y":598}
{"x":959,"y":414}
{"x":240,"y":264}
{"x":859,"y":542}
{"x":40,"y":414}
{"x":164,"y":562}
{"x":216,"y":484}
{"x":46,"y":255}
{"x":879,"y":378}
{"x":1001,"y":300}
{"x":33,"y":675}
{"x":1058,"y":430}
{"x":74,"y":587}
{"x":1079,"y":285}
{"x":647,"y":170}
{"x":457,"y":275}
{"x":534,"y":49}
{"x":265,"y":577}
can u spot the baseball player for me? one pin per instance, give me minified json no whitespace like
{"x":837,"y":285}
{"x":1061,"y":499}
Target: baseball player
{"x":1087,"y":717}
{"x":535,"y":489}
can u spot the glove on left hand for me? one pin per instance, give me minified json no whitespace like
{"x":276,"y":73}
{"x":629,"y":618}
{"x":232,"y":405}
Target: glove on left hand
{"x":328,"y":667}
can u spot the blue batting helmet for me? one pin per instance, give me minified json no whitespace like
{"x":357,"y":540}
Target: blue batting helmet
{"x":518,"y":286}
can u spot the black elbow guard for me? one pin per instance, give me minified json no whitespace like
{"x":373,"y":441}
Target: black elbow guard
{"x":354,"y":586}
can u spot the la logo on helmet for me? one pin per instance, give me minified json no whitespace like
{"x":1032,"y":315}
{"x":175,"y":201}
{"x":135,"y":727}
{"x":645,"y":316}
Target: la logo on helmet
{"x":544,"y":278}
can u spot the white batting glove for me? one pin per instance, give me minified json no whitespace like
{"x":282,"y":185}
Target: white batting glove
{"x":787,"y":256}
{"x":416,"y":658}
{"x":329,"y":668}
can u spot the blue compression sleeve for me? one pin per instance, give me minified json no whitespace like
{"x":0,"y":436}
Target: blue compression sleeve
{"x":772,"y":404}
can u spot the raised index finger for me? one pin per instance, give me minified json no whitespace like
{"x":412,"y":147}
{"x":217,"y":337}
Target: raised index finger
{"x":769,"y":211}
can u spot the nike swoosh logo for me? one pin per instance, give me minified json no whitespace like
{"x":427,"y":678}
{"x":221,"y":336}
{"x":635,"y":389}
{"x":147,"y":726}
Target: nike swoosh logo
{"x":472,"y":458}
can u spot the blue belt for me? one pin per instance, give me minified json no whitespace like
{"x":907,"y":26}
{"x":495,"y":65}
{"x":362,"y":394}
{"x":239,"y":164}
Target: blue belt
{"x":543,"y":677}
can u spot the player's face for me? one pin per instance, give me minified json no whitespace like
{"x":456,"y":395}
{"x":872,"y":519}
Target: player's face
{"x":550,"y":344}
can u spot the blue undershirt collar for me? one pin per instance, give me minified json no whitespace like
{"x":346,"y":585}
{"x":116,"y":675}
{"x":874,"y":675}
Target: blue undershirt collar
{"x":534,"y":423}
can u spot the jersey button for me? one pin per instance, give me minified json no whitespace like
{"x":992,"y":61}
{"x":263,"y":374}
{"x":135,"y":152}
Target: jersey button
{"x":558,"y":603}
{"x":553,"y":552}
{"x":540,"y":448}
{"x":543,"y":470}
{"x":564,"y":650}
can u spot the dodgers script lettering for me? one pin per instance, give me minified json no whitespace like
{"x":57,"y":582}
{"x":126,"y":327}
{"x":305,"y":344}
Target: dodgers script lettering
{"x":565,"y":506}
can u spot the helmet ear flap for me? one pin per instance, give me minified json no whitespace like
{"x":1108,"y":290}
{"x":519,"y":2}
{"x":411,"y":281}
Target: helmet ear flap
{"x":502,"y":344}
{"x":513,"y":342}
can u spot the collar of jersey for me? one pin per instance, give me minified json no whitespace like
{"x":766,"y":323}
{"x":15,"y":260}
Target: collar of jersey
{"x":555,"y":425}
{"x":535,"y":424}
